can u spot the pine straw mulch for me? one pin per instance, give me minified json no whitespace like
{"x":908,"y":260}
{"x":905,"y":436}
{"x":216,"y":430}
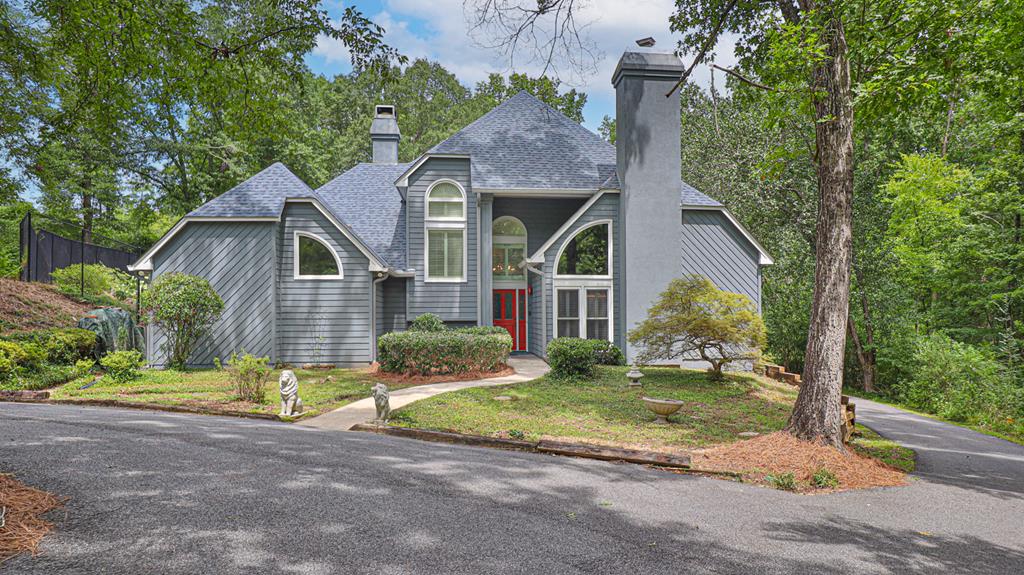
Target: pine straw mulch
{"x":396,"y":378}
{"x":23,"y":526}
{"x":27,"y":306}
{"x":779,"y":453}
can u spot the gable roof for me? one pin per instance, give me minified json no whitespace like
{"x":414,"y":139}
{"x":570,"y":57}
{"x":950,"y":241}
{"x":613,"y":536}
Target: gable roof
{"x":523,"y":143}
{"x":366,"y":198}
{"x":688,"y":195}
{"x":262,"y":195}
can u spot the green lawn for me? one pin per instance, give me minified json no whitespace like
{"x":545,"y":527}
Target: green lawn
{"x":608,"y":412}
{"x":211,"y":389}
{"x":869,"y":443}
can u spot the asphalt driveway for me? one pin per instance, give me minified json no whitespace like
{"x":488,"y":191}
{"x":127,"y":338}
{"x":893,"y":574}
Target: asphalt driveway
{"x":170,"y":493}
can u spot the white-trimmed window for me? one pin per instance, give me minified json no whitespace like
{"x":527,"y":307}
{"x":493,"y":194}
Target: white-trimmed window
{"x":315,"y":259}
{"x":445,"y":232}
{"x":587,"y":253}
{"x":583,"y":312}
{"x":508,"y":249}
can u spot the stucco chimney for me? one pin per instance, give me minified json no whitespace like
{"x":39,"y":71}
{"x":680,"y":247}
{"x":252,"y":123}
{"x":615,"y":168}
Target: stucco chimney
{"x":648,"y":163}
{"x":385,"y":135}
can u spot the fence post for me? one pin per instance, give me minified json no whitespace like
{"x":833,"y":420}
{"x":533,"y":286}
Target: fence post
{"x":81,"y":284}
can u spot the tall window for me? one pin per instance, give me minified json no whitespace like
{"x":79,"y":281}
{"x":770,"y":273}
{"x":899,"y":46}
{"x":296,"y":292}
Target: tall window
{"x":445,"y":223}
{"x":586,"y":253}
{"x":315,"y":258}
{"x":583,"y":312}
{"x":568,"y":313}
{"x":508,"y":249}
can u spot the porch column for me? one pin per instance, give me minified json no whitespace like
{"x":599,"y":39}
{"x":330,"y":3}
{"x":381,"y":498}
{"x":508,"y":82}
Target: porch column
{"x":486,"y":204}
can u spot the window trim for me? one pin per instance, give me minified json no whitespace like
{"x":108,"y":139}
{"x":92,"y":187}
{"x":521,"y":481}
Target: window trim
{"x":445,"y":223}
{"x":578,"y":231}
{"x":295,"y":257}
{"x":510,"y":241}
{"x":581,"y":313}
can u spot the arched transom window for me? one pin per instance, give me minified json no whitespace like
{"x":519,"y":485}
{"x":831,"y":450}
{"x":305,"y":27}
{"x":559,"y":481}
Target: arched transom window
{"x":445,"y":231}
{"x":584,"y":304}
{"x":508,"y":249}
{"x":587,"y":253}
{"x":315,"y":258}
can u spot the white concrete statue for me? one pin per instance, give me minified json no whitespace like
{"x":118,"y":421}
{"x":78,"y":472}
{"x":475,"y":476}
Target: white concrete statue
{"x":382,"y":399}
{"x":289,"y":385}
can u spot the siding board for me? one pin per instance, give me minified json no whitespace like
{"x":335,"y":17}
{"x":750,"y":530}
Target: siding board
{"x":713,"y":247}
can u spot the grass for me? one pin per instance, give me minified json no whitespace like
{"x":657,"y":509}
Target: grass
{"x":209,"y":388}
{"x":867,"y":442}
{"x":1011,"y":430}
{"x":606,"y":411}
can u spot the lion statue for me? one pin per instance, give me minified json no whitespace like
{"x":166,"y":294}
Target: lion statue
{"x":289,"y":385}
{"x":382,"y":399}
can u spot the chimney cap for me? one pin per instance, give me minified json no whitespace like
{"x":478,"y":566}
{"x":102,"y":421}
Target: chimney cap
{"x":385,"y":110}
{"x":647,"y":42}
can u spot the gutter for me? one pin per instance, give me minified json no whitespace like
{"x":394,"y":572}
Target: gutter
{"x":380,"y":276}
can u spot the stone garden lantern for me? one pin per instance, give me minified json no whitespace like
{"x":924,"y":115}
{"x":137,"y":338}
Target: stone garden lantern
{"x":634,"y":376}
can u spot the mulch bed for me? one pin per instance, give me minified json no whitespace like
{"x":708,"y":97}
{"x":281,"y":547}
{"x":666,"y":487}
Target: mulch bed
{"x":31,"y":305}
{"x":395,"y":378}
{"x":23,"y":525}
{"x":779,"y":453}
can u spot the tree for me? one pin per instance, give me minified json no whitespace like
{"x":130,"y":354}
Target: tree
{"x":694,"y":316}
{"x":185,"y":308}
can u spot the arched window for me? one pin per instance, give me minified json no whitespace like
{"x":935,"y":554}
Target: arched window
{"x":445,"y":230}
{"x":315,"y":258}
{"x":587,"y":253}
{"x":508,"y":249}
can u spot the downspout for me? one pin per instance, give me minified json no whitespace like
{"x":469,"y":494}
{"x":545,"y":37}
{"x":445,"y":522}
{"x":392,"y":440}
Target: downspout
{"x":381,"y":276}
{"x":543,"y":307}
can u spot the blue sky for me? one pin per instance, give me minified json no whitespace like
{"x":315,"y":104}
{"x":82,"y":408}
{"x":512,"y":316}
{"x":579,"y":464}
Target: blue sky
{"x":436,"y":30}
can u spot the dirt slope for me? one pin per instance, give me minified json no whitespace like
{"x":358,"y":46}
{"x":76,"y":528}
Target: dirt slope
{"x":29,"y":305}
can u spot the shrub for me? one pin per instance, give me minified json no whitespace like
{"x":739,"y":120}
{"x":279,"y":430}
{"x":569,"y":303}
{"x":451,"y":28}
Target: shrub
{"x":122,"y":366}
{"x":483,"y":330}
{"x":12,"y":355}
{"x":427,"y":322}
{"x":249,"y":374}
{"x":450,"y":351}
{"x":693,"y":316}
{"x":606,"y":352}
{"x":825,"y":479}
{"x":185,"y":307}
{"x":61,"y":345}
{"x":571,"y":357}
{"x":956,"y":381}
{"x":784,"y":481}
{"x":100,"y":282}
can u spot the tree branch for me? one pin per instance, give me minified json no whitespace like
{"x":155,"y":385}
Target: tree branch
{"x":711,"y":40}
{"x":743,"y":78}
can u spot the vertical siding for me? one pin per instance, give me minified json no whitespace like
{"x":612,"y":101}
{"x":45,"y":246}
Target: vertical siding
{"x":606,"y":208}
{"x":391,"y":306}
{"x":713,"y":247}
{"x":343,"y":305}
{"x":455,"y":302}
{"x":237,"y":258}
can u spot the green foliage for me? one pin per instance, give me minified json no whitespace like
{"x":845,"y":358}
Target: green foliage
{"x":12,"y":355}
{"x":427,"y":322}
{"x":571,"y":358}
{"x":825,"y":479}
{"x":122,"y":366}
{"x":60,"y":345}
{"x":249,"y":375}
{"x":10,"y":219}
{"x":442,"y":352}
{"x":784,"y":481}
{"x":100,"y":281}
{"x":185,"y":307}
{"x":959,"y":382}
{"x":483,"y":330}
{"x":692,"y":315}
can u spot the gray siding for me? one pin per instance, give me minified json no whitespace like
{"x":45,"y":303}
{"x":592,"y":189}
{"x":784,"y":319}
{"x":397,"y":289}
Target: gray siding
{"x":713,"y":247}
{"x":341,"y":307}
{"x":391,"y":305}
{"x":541,"y":216}
{"x":455,"y":302}
{"x":237,"y":258}
{"x":606,"y":208}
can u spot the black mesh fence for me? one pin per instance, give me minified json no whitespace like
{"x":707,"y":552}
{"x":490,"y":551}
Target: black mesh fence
{"x":43,"y":251}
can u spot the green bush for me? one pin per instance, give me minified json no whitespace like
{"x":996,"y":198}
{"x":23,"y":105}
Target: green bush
{"x":427,"y":322}
{"x":61,"y":345}
{"x":825,"y":479}
{"x":184,"y":307}
{"x":12,"y":354}
{"x":783,"y":481}
{"x":483,"y":330}
{"x":122,"y":366}
{"x":957,"y":381}
{"x":450,"y":351}
{"x":249,"y":374}
{"x":101,"y":282}
{"x":573,"y":357}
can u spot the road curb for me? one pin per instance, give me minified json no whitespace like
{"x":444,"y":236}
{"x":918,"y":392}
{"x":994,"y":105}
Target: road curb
{"x":581,"y":450}
{"x":146,"y":406}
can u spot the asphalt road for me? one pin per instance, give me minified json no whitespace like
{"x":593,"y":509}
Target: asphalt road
{"x":169,"y":493}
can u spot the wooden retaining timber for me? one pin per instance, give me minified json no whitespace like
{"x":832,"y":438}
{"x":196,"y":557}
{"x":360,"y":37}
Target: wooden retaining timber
{"x":553,"y":447}
{"x":779,"y":373}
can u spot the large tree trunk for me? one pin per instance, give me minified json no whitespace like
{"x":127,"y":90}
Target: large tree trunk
{"x":817,"y":414}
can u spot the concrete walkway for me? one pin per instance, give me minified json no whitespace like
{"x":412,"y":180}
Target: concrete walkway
{"x":342,"y":419}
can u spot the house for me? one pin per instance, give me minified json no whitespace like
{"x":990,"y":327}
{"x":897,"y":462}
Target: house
{"x":523,"y":219}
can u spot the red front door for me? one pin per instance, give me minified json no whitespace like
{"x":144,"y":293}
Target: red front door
{"x":510,"y":313}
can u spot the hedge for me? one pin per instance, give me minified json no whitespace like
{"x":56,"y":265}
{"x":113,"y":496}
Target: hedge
{"x":61,"y":345}
{"x":573,"y":357}
{"x":442,"y":352}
